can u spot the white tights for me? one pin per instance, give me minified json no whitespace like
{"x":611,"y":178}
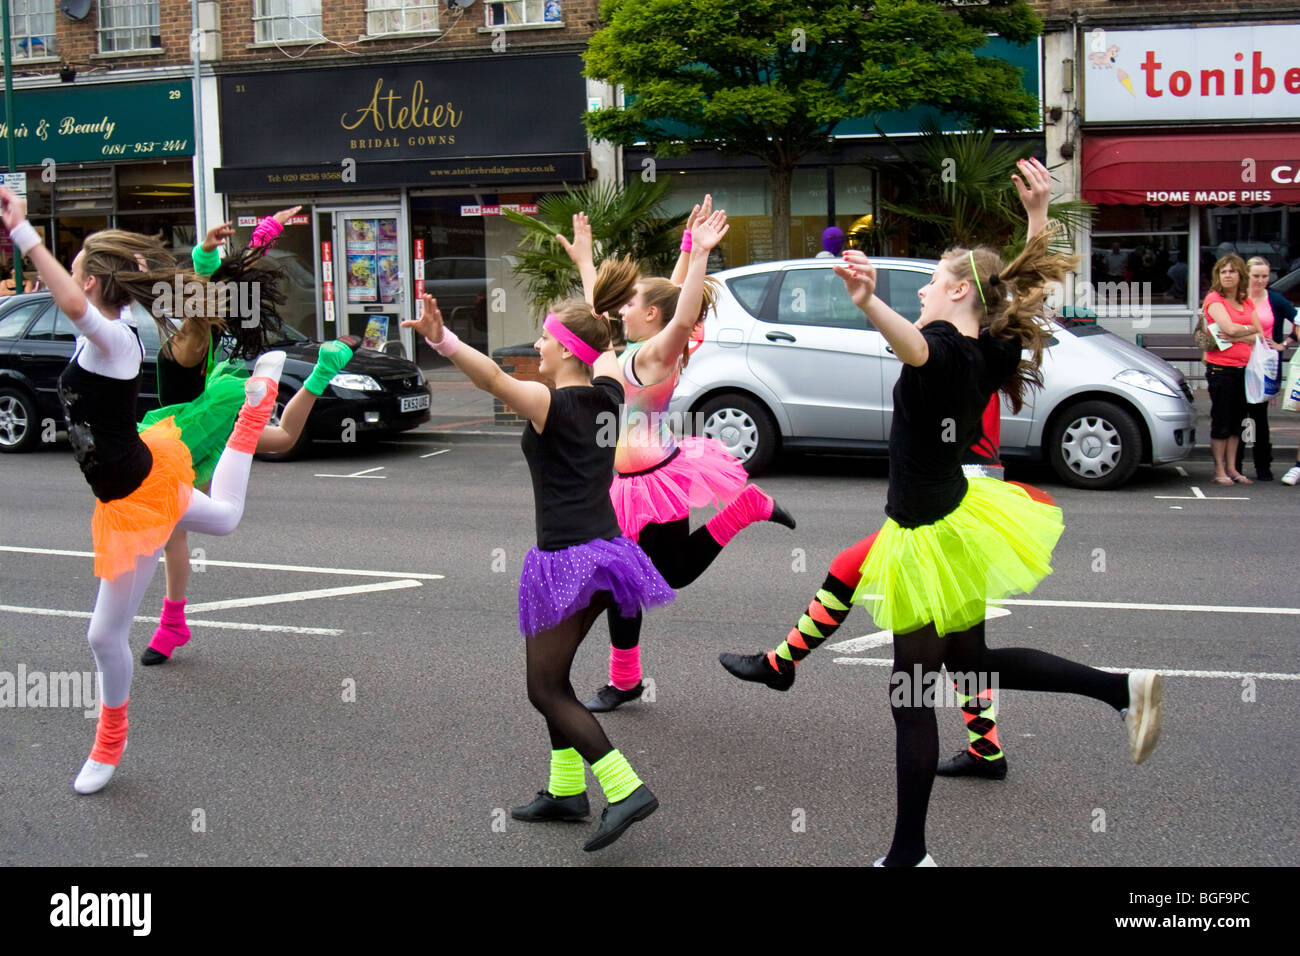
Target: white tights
{"x":118,"y":600}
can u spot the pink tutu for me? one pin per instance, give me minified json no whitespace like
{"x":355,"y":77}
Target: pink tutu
{"x":700,"y":472}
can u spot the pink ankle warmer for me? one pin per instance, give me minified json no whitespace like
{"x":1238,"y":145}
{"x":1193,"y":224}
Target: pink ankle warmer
{"x":625,"y":667}
{"x":750,"y":505}
{"x":172,"y":631}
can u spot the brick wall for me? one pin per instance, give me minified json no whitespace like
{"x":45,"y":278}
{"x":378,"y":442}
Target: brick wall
{"x":78,"y":43}
{"x":344,"y":22}
{"x":1164,"y":12}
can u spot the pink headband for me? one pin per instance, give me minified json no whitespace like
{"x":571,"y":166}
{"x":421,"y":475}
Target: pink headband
{"x":569,"y":340}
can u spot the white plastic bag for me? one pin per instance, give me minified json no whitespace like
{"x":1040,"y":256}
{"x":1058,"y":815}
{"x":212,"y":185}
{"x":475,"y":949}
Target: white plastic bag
{"x":1262,"y":366}
{"x":1291,"y":394}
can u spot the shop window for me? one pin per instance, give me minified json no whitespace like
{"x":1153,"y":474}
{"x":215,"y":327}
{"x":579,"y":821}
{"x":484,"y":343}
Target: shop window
{"x":1146,"y":245}
{"x":286,"y":20}
{"x":144,"y":186}
{"x":31,"y":29}
{"x":1263,"y":231}
{"x":128,"y":25}
{"x":400,"y":16}
{"x":517,"y":13}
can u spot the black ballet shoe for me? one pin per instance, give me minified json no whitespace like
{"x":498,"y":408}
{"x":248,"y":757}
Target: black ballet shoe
{"x":754,"y":667}
{"x":150,"y":657}
{"x":966,"y":764}
{"x":548,"y":807}
{"x":781,"y":516}
{"x":610,"y":697}
{"x":617,"y":817}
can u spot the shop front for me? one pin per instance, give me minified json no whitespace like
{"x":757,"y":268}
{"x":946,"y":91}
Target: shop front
{"x":106,"y":155}
{"x":402,"y":171}
{"x":1191,"y":150}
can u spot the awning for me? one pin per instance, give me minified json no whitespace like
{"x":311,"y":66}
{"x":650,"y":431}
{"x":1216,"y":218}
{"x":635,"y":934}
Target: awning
{"x":1209,"y":169}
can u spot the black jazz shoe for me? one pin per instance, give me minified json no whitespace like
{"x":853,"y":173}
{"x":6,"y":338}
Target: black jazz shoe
{"x":637,"y":805}
{"x":966,"y":764}
{"x":754,"y":667}
{"x":609,"y":697}
{"x":547,"y":807}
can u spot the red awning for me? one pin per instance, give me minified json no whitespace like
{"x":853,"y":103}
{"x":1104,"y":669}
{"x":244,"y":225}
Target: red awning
{"x":1208,"y":169}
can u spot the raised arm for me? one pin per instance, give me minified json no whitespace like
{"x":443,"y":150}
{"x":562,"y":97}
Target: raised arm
{"x":698,"y":214}
{"x":581,"y":251}
{"x":530,"y":399}
{"x":66,"y":291}
{"x":1035,"y":193}
{"x":660,"y":354}
{"x":904,"y":338}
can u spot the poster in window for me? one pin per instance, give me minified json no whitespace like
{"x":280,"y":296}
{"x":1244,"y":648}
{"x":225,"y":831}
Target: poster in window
{"x":553,"y":11}
{"x":387,"y":260}
{"x":363,"y":267}
{"x":376,"y":332}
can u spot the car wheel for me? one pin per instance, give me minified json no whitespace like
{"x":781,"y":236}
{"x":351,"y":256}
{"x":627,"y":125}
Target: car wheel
{"x":742,"y":425}
{"x":19,"y":421}
{"x":1095,"y":445}
{"x":304,"y":440}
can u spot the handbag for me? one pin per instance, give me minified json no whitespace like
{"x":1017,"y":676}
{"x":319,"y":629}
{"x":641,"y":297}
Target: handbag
{"x":1204,"y":340}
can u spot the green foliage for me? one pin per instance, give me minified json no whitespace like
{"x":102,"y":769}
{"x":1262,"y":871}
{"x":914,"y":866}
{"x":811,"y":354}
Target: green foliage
{"x":624,"y":222}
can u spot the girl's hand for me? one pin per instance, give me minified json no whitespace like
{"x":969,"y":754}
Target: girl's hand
{"x":580,"y":249}
{"x":13,"y":208}
{"x":707,"y":233}
{"x":1035,"y":189}
{"x":284,"y":215}
{"x":430,"y":323}
{"x":700,"y":212}
{"x":217,"y":236}
{"x":859,"y":277}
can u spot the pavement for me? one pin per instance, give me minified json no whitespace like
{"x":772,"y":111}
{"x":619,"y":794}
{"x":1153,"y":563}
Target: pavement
{"x":462,"y":412}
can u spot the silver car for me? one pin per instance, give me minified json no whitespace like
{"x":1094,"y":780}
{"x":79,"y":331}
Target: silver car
{"x":789,"y":362}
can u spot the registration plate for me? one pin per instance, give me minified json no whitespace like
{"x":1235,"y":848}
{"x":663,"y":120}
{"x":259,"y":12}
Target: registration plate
{"x":415,"y":403}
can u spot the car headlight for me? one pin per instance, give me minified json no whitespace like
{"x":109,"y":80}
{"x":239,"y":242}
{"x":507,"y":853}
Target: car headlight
{"x":1145,"y":381}
{"x":355,"y":382}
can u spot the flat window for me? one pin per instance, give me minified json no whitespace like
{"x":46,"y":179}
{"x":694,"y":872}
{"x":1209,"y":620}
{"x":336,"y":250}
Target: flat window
{"x":16,"y":319}
{"x":286,"y":20}
{"x":817,"y":297}
{"x":903,"y":288}
{"x":511,"y":13}
{"x":1139,"y":252}
{"x":749,"y":291}
{"x":126,"y":25}
{"x":31,"y":29}
{"x":400,"y":16}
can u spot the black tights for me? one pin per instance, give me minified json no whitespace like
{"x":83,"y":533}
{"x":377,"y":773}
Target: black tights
{"x":680,"y":555}
{"x":549,"y":655}
{"x":966,"y":657}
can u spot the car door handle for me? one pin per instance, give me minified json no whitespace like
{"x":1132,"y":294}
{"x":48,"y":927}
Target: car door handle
{"x":27,"y":355}
{"x":780,"y":337}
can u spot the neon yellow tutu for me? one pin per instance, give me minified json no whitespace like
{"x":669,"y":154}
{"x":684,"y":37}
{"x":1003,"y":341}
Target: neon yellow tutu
{"x":997,"y":542}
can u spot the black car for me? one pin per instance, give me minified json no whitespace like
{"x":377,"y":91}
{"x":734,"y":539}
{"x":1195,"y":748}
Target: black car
{"x":374,"y":393}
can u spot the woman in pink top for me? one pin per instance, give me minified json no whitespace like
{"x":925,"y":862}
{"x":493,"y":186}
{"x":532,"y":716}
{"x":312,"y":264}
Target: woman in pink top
{"x":1269,"y":308}
{"x":1228,"y":309}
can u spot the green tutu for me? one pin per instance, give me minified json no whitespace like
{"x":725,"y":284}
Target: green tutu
{"x":997,"y":542}
{"x":206,"y":422}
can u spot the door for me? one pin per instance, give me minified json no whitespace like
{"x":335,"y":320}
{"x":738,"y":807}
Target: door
{"x":364,"y":267}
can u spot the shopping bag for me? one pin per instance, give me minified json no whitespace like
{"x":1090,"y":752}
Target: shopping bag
{"x":1291,"y":394}
{"x":1255,"y":372}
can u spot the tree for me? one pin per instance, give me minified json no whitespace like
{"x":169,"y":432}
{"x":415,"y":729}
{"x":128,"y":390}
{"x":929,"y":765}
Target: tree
{"x":772,"y":78}
{"x":624,"y":222}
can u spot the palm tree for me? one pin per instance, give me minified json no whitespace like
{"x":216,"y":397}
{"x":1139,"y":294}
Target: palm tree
{"x":627,"y":221}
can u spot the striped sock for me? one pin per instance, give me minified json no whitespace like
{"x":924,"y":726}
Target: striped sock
{"x":616,"y":776}
{"x":980,"y":715}
{"x":826,"y":612}
{"x":567,"y":776}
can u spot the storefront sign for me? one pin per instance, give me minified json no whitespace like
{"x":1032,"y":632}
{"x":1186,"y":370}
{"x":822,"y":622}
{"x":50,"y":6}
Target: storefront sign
{"x":106,"y":121}
{"x":15,"y":183}
{"x":1210,"y":73}
{"x":1193,"y":168}
{"x":402,"y":124}
{"x":527,"y":208}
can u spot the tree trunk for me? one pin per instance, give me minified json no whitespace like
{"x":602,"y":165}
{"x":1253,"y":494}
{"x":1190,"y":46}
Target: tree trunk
{"x":781,"y":177}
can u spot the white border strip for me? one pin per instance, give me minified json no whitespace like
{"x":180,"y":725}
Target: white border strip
{"x":248,"y":564}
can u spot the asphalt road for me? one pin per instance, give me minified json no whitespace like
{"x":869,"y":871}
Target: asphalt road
{"x":389,"y":724}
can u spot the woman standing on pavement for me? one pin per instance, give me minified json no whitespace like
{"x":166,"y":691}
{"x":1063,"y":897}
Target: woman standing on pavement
{"x":582,"y":563}
{"x":1232,"y":314}
{"x":1273,"y":311}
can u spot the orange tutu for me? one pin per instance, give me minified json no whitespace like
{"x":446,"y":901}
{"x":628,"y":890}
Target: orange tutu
{"x":141,"y":523}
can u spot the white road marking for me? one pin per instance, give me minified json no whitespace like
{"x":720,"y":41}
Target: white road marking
{"x":302,"y":596}
{"x":1199,"y":496}
{"x":432,"y":453}
{"x":1197,"y":492}
{"x":1222,"y":675}
{"x":364,"y":473}
{"x":228,"y":625}
{"x":252,"y":564}
{"x":1181,"y":470}
{"x":1128,"y":606}
{"x":855,"y":645}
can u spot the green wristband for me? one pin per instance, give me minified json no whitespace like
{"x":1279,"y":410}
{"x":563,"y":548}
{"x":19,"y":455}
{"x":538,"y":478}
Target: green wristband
{"x":205,"y":263}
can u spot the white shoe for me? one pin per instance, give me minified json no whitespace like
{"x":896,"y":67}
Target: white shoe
{"x":1143,"y":717}
{"x":94,"y":775}
{"x":927,"y":860}
{"x":1292,"y":476}
{"x":267,"y":369}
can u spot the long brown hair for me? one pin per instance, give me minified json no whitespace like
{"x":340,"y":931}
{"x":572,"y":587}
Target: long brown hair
{"x":1013,"y":299}
{"x":663,"y":295}
{"x":1243,"y":276}
{"x":128,"y":266}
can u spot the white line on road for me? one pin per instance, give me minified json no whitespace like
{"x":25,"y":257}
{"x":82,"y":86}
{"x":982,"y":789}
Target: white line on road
{"x":432,"y":453}
{"x":856,"y":645}
{"x":255,"y":565}
{"x":1126,"y":606}
{"x":301,"y":596}
{"x":364,"y":473}
{"x":228,"y":625}
{"x":1222,"y":675}
{"x":1198,"y":497}
{"x":1181,"y":470}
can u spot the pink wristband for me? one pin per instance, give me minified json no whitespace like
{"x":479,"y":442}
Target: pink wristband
{"x":686,"y":241}
{"x":446,"y":347}
{"x":267,"y":231}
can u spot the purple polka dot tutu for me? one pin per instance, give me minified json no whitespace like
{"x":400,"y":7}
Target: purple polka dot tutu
{"x":555,"y":585}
